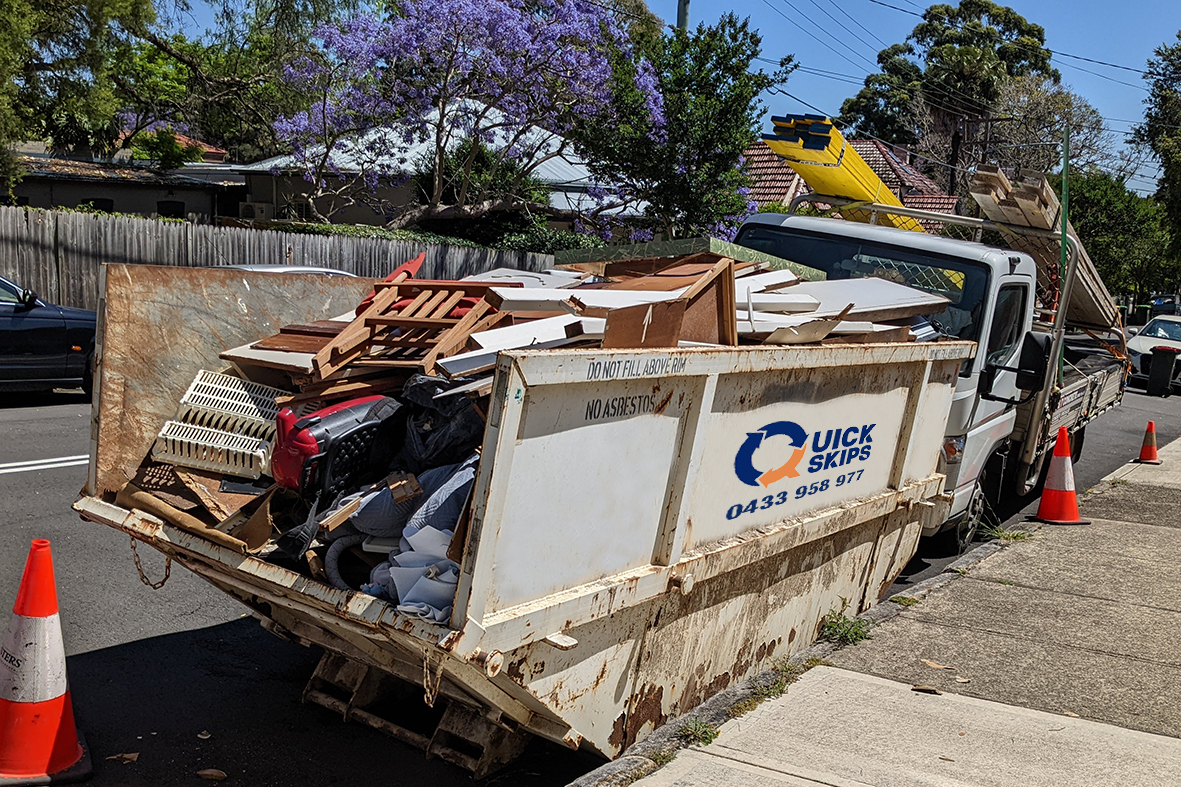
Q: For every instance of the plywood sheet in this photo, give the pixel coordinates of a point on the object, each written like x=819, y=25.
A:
x=159, y=325
x=872, y=299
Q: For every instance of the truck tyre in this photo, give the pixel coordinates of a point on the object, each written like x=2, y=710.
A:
x=1076, y=445
x=958, y=539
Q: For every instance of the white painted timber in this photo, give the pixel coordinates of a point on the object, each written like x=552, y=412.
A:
x=869, y=296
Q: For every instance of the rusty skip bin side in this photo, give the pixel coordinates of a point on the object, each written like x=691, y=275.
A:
x=648, y=527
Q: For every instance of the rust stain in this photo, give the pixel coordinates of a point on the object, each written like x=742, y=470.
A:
x=618, y=737
x=515, y=670
x=662, y=405
x=648, y=708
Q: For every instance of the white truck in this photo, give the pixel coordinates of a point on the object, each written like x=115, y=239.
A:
x=1035, y=369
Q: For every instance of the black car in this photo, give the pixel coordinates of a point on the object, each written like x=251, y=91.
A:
x=43, y=346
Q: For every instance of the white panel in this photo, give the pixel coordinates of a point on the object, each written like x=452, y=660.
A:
x=589, y=478
x=731, y=496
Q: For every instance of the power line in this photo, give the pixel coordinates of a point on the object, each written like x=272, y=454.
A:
x=821, y=29
x=1028, y=47
x=854, y=21
x=867, y=45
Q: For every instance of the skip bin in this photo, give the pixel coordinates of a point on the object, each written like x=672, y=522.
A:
x=647, y=527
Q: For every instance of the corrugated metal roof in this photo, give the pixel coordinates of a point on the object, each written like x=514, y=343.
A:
x=563, y=169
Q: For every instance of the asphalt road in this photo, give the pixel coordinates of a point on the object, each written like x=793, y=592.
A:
x=149, y=670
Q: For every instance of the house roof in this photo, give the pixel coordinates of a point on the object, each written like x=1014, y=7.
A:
x=890, y=167
x=43, y=168
x=565, y=169
x=774, y=181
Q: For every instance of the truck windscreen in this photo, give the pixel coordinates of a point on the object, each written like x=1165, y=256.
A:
x=963, y=283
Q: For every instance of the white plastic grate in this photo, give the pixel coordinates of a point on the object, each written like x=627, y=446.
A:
x=223, y=423
x=201, y=447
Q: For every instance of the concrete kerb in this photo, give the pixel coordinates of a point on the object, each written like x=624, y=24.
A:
x=659, y=748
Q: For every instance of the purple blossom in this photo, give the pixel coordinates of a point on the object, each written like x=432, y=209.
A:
x=509, y=73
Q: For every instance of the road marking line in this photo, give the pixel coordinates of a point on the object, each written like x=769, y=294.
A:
x=44, y=464
x=43, y=461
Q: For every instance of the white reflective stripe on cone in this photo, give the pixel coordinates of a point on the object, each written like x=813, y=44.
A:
x=1061, y=474
x=32, y=660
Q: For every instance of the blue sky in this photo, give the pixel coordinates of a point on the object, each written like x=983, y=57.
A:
x=1089, y=28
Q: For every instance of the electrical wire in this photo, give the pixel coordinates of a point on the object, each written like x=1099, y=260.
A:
x=872, y=64
x=1030, y=48
x=852, y=19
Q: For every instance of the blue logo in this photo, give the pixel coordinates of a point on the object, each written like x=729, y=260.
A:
x=744, y=466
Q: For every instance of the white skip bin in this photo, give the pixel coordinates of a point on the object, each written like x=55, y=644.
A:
x=647, y=528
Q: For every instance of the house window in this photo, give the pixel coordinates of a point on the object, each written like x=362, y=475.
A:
x=98, y=203
x=301, y=210
x=170, y=209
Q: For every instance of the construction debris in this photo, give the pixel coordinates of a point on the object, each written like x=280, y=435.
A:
x=370, y=422
x=1028, y=201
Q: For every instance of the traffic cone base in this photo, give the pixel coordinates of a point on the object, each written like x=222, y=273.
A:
x=1148, y=454
x=39, y=743
x=1059, y=503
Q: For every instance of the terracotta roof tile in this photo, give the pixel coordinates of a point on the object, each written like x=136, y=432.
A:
x=774, y=181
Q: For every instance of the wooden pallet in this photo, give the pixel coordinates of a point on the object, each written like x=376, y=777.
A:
x=412, y=336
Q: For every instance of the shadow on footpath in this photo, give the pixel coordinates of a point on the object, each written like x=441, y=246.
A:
x=243, y=686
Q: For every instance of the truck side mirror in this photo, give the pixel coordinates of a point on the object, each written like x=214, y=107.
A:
x=1034, y=360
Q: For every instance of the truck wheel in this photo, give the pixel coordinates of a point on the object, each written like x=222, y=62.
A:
x=958, y=539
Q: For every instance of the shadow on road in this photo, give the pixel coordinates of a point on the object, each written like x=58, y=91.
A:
x=243, y=686
x=43, y=398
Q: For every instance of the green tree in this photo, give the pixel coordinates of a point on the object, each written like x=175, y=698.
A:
x=1161, y=129
x=952, y=68
x=686, y=172
x=1127, y=236
x=54, y=65
x=162, y=149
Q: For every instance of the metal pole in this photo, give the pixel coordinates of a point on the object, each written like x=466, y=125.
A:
x=683, y=14
x=1063, y=295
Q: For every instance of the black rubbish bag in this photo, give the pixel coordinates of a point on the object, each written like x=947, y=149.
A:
x=438, y=431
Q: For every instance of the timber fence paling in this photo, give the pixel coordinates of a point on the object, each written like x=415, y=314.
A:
x=59, y=253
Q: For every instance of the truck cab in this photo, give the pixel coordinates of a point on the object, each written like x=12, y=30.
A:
x=991, y=302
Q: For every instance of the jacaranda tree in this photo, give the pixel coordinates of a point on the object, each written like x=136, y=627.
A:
x=397, y=94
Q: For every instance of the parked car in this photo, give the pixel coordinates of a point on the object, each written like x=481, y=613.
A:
x=43, y=346
x=1161, y=331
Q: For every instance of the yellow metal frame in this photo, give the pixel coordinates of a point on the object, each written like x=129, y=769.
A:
x=812, y=146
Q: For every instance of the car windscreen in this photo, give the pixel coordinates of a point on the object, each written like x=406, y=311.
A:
x=1163, y=329
x=963, y=283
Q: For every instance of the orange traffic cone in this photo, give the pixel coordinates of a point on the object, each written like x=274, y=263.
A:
x=1148, y=454
x=38, y=741
x=1059, y=505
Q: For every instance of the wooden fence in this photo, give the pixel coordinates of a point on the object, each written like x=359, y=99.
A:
x=58, y=254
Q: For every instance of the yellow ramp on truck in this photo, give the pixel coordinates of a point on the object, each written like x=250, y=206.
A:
x=813, y=147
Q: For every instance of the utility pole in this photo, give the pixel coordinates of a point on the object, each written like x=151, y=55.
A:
x=683, y=14
x=1063, y=220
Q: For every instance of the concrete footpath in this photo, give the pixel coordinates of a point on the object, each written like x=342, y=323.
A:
x=1055, y=660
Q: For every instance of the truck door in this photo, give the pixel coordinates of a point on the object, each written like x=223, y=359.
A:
x=1004, y=336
